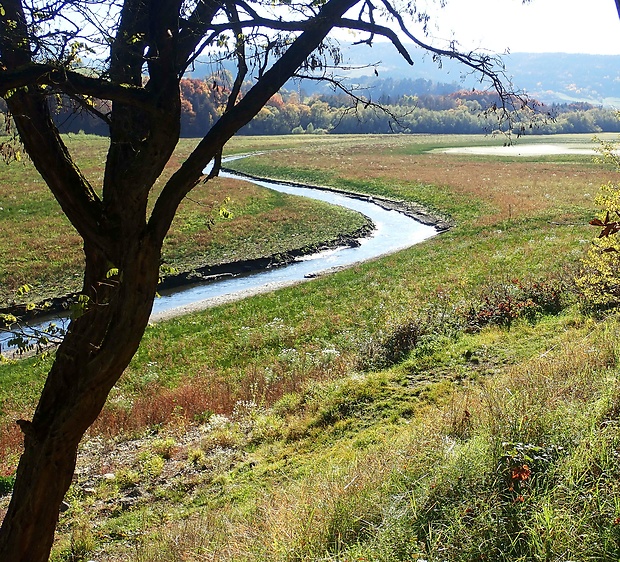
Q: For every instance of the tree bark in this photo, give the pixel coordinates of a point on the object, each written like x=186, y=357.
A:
x=144, y=130
x=91, y=359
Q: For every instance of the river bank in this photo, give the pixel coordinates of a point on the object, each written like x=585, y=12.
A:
x=213, y=273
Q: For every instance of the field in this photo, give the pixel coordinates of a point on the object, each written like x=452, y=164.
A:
x=39, y=247
x=455, y=401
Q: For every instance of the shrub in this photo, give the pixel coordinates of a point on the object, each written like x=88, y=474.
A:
x=440, y=317
x=599, y=279
x=500, y=304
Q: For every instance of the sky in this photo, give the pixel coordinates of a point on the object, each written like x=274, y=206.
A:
x=568, y=26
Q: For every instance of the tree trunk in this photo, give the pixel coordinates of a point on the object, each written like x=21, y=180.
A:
x=143, y=134
x=94, y=354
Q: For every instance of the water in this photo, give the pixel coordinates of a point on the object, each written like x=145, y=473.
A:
x=393, y=231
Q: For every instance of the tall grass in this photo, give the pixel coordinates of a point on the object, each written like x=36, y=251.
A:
x=451, y=402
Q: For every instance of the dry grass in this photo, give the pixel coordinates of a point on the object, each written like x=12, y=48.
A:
x=512, y=188
x=208, y=392
x=518, y=402
x=354, y=495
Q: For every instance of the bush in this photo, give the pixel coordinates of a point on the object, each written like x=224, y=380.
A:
x=440, y=317
x=390, y=347
x=502, y=303
x=599, y=279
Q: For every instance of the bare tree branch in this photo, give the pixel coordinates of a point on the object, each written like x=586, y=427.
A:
x=190, y=172
x=72, y=82
x=242, y=70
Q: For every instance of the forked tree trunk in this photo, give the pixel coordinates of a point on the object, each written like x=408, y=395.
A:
x=144, y=130
x=96, y=350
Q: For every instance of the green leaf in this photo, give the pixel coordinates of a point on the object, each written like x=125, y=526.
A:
x=8, y=318
x=79, y=307
x=136, y=38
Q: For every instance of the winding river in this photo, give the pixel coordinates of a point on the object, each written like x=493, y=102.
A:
x=393, y=231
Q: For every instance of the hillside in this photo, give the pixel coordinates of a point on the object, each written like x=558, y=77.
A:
x=549, y=77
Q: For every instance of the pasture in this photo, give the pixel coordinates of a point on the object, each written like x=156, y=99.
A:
x=397, y=410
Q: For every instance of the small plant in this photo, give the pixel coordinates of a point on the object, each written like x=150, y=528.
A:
x=152, y=465
x=226, y=437
x=127, y=478
x=197, y=457
x=203, y=417
x=6, y=485
x=500, y=304
x=163, y=447
x=521, y=462
x=81, y=543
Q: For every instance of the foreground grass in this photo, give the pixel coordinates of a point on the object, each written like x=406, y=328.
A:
x=365, y=415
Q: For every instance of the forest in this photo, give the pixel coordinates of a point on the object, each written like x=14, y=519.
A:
x=427, y=108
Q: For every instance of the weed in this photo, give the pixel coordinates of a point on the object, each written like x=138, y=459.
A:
x=151, y=465
x=6, y=485
x=384, y=348
x=197, y=457
x=163, y=447
x=222, y=433
x=500, y=304
x=126, y=478
x=81, y=542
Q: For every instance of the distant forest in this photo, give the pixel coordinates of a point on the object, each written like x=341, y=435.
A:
x=427, y=108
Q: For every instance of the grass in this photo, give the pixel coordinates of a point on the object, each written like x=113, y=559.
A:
x=371, y=414
x=39, y=247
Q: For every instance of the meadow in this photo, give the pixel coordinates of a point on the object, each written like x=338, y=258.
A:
x=454, y=401
x=39, y=247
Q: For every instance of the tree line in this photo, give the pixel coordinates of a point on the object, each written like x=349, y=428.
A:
x=294, y=112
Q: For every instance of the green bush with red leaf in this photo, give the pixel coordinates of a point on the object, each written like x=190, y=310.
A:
x=500, y=304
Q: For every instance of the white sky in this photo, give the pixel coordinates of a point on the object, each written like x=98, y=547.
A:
x=569, y=26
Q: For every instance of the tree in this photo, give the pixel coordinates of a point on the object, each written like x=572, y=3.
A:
x=133, y=54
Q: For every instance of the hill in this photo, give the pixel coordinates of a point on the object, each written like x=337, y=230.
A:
x=549, y=77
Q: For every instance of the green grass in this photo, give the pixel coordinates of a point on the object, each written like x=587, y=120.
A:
x=337, y=436
x=39, y=247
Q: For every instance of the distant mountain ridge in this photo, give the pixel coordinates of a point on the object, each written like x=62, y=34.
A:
x=549, y=77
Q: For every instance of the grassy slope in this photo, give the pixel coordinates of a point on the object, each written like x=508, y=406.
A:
x=493, y=445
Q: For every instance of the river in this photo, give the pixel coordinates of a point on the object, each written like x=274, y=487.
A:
x=393, y=231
